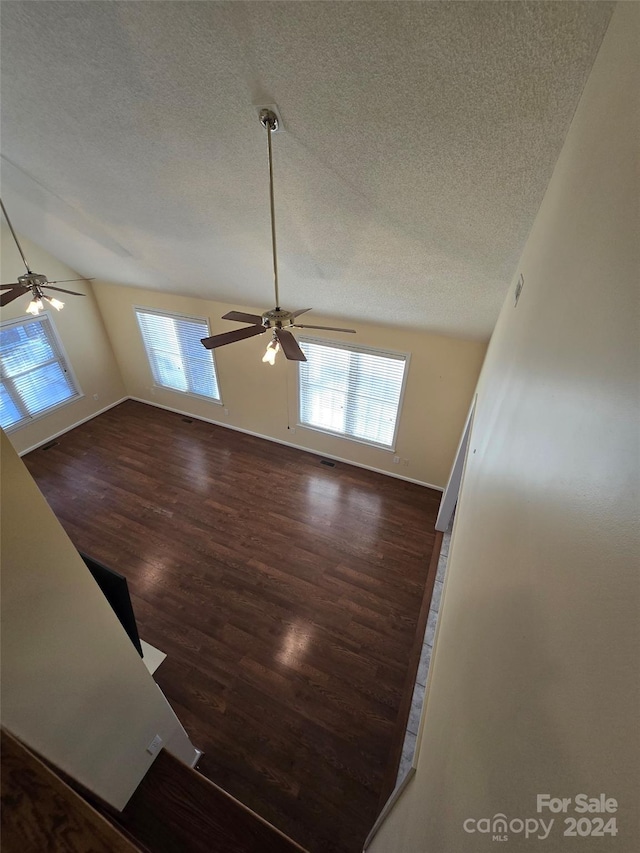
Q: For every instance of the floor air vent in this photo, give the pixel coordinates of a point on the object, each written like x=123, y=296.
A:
x=50, y=445
x=328, y=463
x=188, y=420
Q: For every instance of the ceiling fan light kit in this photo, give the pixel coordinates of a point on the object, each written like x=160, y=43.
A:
x=37, y=303
x=277, y=319
x=273, y=348
x=34, y=282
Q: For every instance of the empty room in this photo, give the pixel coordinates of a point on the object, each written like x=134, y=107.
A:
x=319, y=403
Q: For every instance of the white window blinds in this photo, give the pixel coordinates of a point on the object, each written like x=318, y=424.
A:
x=351, y=391
x=176, y=355
x=35, y=377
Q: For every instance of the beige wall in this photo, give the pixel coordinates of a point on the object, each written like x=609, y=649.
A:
x=258, y=398
x=73, y=686
x=262, y=399
x=534, y=682
x=81, y=330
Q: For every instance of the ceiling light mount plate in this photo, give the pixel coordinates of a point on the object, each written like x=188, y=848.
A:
x=269, y=114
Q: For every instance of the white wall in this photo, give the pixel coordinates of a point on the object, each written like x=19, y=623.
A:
x=73, y=686
x=81, y=330
x=534, y=680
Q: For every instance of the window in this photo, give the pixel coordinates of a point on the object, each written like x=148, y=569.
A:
x=176, y=356
x=35, y=375
x=351, y=391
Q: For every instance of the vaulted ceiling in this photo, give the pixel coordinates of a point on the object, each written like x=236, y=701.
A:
x=419, y=139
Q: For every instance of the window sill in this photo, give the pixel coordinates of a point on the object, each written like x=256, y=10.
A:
x=385, y=447
x=43, y=414
x=188, y=394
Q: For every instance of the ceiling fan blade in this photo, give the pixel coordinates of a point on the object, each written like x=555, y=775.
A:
x=301, y=311
x=62, y=290
x=69, y=280
x=13, y=284
x=231, y=337
x=241, y=317
x=8, y=297
x=325, y=328
x=289, y=345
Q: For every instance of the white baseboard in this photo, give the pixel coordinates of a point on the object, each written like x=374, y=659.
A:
x=236, y=429
x=388, y=806
x=73, y=426
x=288, y=444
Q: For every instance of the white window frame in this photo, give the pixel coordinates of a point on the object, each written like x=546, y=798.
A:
x=396, y=354
x=61, y=358
x=175, y=315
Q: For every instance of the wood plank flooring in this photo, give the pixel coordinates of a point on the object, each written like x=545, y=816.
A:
x=177, y=809
x=285, y=594
x=40, y=812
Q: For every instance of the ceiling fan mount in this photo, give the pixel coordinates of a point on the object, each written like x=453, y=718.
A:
x=277, y=319
x=269, y=120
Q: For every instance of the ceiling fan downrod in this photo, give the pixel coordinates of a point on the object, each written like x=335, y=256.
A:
x=269, y=120
x=277, y=320
x=13, y=234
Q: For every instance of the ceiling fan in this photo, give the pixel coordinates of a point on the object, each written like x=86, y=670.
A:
x=277, y=320
x=34, y=282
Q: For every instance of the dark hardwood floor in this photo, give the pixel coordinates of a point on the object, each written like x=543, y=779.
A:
x=284, y=592
x=41, y=812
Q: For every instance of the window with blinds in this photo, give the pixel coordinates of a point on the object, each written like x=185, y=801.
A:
x=34, y=375
x=176, y=355
x=351, y=391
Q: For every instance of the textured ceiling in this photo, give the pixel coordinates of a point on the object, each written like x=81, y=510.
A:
x=419, y=141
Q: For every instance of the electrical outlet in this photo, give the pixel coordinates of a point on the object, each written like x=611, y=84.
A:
x=405, y=462
x=396, y=460
x=226, y=411
x=95, y=396
x=155, y=745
